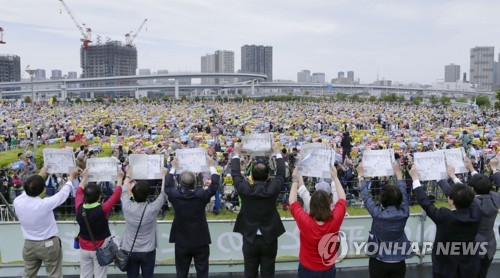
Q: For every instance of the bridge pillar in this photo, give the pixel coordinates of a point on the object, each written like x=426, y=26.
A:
x=64, y=92
x=253, y=87
x=176, y=89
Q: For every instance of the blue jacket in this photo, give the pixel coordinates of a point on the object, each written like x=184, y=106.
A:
x=388, y=227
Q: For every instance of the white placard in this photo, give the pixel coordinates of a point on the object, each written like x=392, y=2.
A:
x=316, y=164
x=257, y=144
x=59, y=161
x=456, y=158
x=194, y=160
x=430, y=165
x=378, y=163
x=307, y=149
x=146, y=167
x=102, y=169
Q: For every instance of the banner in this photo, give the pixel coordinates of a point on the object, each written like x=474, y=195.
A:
x=194, y=160
x=59, y=161
x=378, y=163
x=257, y=144
x=102, y=169
x=430, y=165
x=146, y=167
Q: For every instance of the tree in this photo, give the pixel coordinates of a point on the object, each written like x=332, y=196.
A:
x=400, y=99
x=389, y=97
x=341, y=97
x=482, y=101
x=54, y=99
x=27, y=99
x=78, y=100
x=433, y=99
x=99, y=99
x=165, y=98
x=497, y=102
x=461, y=99
x=372, y=98
x=306, y=93
x=354, y=97
x=445, y=100
x=417, y=100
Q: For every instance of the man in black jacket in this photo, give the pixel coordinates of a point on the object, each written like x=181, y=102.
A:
x=456, y=230
x=189, y=229
x=259, y=221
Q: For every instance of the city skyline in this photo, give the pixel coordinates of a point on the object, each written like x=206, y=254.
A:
x=403, y=42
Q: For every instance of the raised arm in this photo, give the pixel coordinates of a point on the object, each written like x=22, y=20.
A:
x=400, y=183
x=276, y=184
x=235, y=167
x=495, y=174
x=63, y=194
x=115, y=197
x=125, y=198
x=214, y=186
x=169, y=179
x=422, y=198
x=292, y=198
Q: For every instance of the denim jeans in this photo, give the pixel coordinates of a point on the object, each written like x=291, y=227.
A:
x=306, y=273
x=144, y=261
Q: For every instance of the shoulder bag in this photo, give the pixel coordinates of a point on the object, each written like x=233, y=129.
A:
x=121, y=259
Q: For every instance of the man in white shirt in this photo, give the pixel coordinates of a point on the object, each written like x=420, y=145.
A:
x=39, y=226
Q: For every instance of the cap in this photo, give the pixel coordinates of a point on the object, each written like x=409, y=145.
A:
x=28, y=154
x=323, y=186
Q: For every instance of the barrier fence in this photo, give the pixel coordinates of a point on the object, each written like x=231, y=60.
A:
x=225, y=250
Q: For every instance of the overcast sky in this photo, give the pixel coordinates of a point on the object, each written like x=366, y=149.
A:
x=405, y=41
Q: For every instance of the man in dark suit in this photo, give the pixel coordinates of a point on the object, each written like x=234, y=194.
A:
x=454, y=228
x=488, y=202
x=259, y=221
x=495, y=174
x=190, y=228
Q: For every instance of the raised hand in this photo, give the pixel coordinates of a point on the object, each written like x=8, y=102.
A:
x=128, y=170
x=451, y=171
x=43, y=171
x=333, y=172
x=360, y=170
x=295, y=174
x=119, y=177
x=414, y=173
x=468, y=165
x=237, y=148
x=74, y=173
x=276, y=148
x=494, y=164
x=210, y=161
x=175, y=163
x=397, y=170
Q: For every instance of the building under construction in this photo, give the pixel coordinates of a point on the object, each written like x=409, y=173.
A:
x=109, y=59
x=10, y=68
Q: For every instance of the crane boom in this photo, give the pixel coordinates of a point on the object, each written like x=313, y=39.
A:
x=86, y=33
x=129, y=40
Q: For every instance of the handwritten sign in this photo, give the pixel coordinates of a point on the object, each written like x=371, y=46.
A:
x=59, y=161
x=194, y=160
x=316, y=164
x=257, y=144
x=102, y=169
x=430, y=165
x=456, y=158
x=307, y=149
x=146, y=167
x=378, y=163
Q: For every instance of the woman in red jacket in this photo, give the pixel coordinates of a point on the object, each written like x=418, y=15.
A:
x=318, y=228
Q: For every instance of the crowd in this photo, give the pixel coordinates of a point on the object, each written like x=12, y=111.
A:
x=258, y=182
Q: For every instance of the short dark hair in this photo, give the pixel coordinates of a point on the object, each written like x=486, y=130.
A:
x=187, y=180
x=260, y=172
x=141, y=191
x=91, y=193
x=391, y=195
x=320, y=206
x=461, y=195
x=34, y=185
x=19, y=155
x=480, y=183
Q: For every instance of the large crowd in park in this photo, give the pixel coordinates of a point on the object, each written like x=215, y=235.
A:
x=162, y=128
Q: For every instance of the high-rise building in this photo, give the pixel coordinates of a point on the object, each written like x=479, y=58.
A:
x=10, y=68
x=451, y=73
x=257, y=59
x=109, y=59
x=56, y=74
x=481, y=67
x=208, y=66
x=143, y=72
x=40, y=74
x=350, y=75
x=304, y=76
x=341, y=74
x=224, y=63
x=318, y=77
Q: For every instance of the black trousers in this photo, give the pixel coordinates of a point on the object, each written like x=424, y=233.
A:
x=184, y=255
x=485, y=264
x=379, y=269
x=259, y=253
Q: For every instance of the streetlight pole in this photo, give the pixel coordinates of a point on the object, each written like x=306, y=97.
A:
x=33, y=137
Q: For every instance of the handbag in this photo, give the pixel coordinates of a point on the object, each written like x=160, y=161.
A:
x=121, y=259
x=105, y=255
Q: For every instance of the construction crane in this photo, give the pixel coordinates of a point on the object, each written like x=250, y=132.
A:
x=86, y=33
x=1, y=36
x=128, y=39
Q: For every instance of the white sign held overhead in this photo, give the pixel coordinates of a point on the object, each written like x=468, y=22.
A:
x=378, y=163
x=316, y=164
x=146, y=167
x=102, y=169
x=307, y=149
x=430, y=165
x=194, y=160
x=456, y=158
x=59, y=161
x=257, y=144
